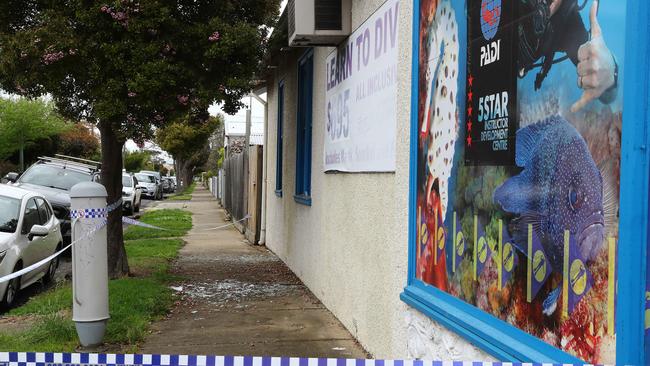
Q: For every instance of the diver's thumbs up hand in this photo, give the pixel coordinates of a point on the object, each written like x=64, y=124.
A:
x=596, y=64
x=593, y=19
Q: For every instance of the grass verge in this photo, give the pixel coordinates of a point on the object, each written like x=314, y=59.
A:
x=134, y=302
x=175, y=222
x=186, y=195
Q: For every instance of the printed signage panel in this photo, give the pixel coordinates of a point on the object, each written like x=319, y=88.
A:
x=491, y=96
x=519, y=116
x=361, y=96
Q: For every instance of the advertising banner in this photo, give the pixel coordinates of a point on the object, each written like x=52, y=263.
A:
x=519, y=116
x=361, y=96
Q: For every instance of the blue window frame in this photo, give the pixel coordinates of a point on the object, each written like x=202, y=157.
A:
x=279, y=143
x=303, y=128
x=503, y=340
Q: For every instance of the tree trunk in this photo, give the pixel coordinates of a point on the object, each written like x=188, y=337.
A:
x=118, y=265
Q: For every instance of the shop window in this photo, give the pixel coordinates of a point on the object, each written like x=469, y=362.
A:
x=279, y=143
x=303, y=128
x=511, y=244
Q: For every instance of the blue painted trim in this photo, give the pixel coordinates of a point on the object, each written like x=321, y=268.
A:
x=633, y=221
x=279, y=139
x=304, y=120
x=413, y=155
x=302, y=199
x=493, y=335
x=503, y=340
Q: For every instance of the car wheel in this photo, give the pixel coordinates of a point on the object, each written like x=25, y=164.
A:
x=12, y=289
x=137, y=207
x=51, y=269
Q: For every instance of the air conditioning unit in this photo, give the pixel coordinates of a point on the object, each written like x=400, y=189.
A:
x=318, y=22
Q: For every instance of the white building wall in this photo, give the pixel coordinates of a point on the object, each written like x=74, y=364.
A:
x=350, y=246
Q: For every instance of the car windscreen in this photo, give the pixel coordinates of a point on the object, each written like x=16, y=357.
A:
x=9, y=210
x=53, y=177
x=127, y=181
x=146, y=178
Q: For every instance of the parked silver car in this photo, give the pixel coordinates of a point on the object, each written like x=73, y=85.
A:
x=150, y=186
x=29, y=233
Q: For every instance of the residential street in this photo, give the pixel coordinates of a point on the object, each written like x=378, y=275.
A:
x=237, y=299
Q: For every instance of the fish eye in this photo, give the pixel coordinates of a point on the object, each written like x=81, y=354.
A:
x=574, y=199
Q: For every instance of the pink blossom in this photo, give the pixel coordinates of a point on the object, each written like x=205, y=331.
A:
x=132, y=94
x=183, y=99
x=50, y=58
x=214, y=37
x=104, y=9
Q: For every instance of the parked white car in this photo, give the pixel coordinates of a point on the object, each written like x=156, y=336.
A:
x=29, y=233
x=131, y=194
x=149, y=185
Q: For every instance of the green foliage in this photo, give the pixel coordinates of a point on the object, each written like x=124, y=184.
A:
x=136, y=161
x=186, y=195
x=185, y=138
x=78, y=141
x=23, y=122
x=176, y=222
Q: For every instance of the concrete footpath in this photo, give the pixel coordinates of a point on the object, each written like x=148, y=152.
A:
x=239, y=299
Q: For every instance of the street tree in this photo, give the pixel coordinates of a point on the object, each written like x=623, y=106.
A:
x=132, y=65
x=187, y=140
x=78, y=141
x=23, y=122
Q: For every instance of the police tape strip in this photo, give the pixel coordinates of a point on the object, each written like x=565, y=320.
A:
x=83, y=359
x=226, y=225
x=130, y=221
x=45, y=261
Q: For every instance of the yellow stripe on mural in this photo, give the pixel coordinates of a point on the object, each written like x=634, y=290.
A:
x=565, y=277
x=500, y=261
x=417, y=244
x=475, y=245
x=529, y=277
x=435, y=237
x=611, y=286
x=453, y=246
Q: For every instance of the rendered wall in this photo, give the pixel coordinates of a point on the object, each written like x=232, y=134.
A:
x=350, y=247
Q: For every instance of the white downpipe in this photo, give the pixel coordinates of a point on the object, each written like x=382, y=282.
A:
x=262, y=240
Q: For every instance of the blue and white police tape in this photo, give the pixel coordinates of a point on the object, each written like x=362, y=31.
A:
x=95, y=213
x=130, y=221
x=89, y=213
x=45, y=261
x=83, y=359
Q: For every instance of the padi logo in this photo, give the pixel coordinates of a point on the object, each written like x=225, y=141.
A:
x=508, y=257
x=460, y=243
x=539, y=266
x=482, y=249
x=578, y=277
x=490, y=17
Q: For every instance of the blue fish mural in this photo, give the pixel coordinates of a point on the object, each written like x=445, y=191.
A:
x=560, y=188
